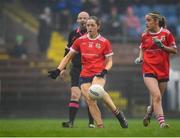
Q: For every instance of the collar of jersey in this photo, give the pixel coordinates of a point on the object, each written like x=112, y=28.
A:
x=156, y=32
x=93, y=38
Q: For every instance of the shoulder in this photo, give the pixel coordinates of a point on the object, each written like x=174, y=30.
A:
x=164, y=30
x=83, y=37
x=144, y=33
x=72, y=32
x=103, y=39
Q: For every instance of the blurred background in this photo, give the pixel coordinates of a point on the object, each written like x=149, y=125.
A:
x=33, y=36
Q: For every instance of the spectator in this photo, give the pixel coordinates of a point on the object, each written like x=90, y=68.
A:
x=45, y=29
x=62, y=17
x=114, y=21
x=19, y=50
x=131, y=23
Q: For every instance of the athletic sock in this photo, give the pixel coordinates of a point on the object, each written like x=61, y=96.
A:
x=160, y=119
x=121, y=118
x=73, y=108
x=118, y=115
x=116, y=112
x=91, y=120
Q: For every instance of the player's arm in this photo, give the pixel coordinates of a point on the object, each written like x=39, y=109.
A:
x=66, y=60
x=73, y=50
x=108, y=60
x=67, y=48
x=141, y=54
x=55, y=73
x=108, y=66
x=171, y=49
x=109, y=63
x=139, y=59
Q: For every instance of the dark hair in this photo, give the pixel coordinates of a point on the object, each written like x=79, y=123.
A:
x=97, y=21
x=162, y=22
x=156, y=16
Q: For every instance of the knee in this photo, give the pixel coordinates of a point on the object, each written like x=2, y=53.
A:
x=75, y=95
x=157, y=98
x=90, y=102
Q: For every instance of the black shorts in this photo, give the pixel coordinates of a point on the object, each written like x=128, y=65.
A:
x=154, y=76
x=85, y=80
x=74, y=74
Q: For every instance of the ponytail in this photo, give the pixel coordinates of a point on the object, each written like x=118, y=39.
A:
x=162, y=22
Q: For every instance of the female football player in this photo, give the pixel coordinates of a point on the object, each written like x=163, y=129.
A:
x=156, y=45
x=75, y=72
x=96, y=59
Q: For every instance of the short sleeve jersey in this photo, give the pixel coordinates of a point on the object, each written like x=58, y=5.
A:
x=156, y=60
x=76, y=61
x=93, y=54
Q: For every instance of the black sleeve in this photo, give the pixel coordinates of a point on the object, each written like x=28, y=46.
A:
x=67, y=48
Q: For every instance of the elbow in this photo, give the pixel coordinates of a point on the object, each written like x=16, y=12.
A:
x=175, y=51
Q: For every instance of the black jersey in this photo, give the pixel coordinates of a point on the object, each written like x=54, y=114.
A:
x=76, y=61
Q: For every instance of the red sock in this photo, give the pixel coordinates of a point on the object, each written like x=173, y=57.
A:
x=160, y=119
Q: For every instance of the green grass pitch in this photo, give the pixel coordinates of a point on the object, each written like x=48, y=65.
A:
x=53, y=128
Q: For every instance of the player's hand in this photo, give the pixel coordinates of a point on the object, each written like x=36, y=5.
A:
x=138, y=60
x=54, y=73
x=158, y=43
x=102, y=74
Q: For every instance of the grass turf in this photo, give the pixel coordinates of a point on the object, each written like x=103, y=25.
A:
x=52, y=127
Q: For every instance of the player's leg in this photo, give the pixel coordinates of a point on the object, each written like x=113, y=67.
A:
x=75, y=97
x=162, y=87
x=108, y=101
x=119, y=114
x=75, y=82
x=73, y=106
x=92, y=104
x=148, y=115
x=91, y=120
x=153, y=87
x=150, y=109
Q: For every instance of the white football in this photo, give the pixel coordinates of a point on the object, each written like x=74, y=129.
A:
x=96, y=91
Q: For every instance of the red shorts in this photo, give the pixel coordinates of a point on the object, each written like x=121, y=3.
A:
x=155, y=71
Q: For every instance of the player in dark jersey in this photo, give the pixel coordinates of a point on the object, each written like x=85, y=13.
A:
x=75, y=72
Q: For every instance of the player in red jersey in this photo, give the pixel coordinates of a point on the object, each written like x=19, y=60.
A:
x=156, y=45
x=96, y=59
x=75, y=72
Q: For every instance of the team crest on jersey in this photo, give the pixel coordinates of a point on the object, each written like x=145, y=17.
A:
x=163, y=38
x=98, y=46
